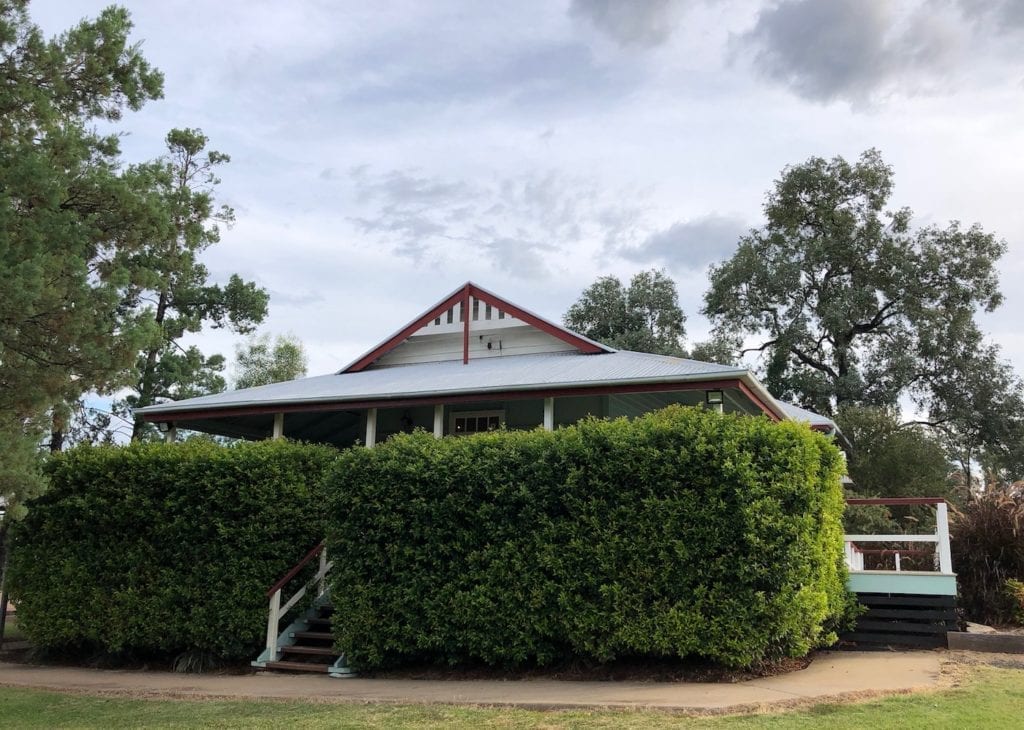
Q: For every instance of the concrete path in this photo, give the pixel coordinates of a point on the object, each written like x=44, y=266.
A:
x=830, y=675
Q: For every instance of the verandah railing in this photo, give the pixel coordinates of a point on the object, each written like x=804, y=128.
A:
x=943, y=560
x=274, y=594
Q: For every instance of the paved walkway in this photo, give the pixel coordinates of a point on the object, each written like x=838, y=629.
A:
x=830, y=675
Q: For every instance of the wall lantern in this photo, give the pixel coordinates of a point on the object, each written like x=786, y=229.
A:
x=164, y=426
x=715, y=399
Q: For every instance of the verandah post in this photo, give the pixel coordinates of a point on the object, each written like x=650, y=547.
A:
x=549, y=414
x=942, y=533
x=439, y=421
x=371, y=427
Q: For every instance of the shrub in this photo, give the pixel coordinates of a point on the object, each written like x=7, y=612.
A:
x=1015, y=589
x=683, y=532
x=159, y=550
x=987, y=542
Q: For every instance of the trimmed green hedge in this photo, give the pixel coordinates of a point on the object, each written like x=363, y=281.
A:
x=160, y=550
x=684, y=532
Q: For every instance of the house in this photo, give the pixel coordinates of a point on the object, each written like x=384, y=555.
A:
x=473, y=362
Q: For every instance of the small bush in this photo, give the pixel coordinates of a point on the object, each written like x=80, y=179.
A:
x=987, y=542
x=164, y=550
x=680, y=533
x=1015, y=589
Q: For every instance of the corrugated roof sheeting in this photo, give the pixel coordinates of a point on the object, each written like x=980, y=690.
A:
x=440, y=378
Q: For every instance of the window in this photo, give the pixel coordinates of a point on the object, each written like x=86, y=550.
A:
x=476, y=422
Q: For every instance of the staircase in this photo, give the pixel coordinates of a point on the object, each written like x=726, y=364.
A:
x=306, y=645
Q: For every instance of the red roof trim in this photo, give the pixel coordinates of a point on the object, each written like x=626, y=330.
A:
x=543, y=325
x=461, y=398
x=463, y=294
x=404, y=333
x=756, y=400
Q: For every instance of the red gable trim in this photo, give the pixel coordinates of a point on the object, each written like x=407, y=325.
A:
x=404, y=333
x=463, y=294
x=756, y=400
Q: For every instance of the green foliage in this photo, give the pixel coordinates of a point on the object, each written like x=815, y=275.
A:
x=1015, y=591
x=850, y=304
x=890, y=459
x=262, y=361
x=68, y=217
x=164, y=549
x=176, y=290
x=987, y=542
x=684, y=532
x=645, y=317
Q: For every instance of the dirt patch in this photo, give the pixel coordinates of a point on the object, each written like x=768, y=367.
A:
x=627, y=670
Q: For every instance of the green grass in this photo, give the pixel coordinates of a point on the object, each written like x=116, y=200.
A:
x=993, y=698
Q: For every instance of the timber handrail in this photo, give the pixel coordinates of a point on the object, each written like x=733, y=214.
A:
x=895, y=501
x=277, y=610
x=295, y=570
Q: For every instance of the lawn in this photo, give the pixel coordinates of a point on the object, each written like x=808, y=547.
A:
x=991, y=698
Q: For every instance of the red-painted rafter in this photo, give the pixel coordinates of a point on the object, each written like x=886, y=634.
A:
x=440, y=399
x=756, y=400
x=463, y=294
x=404, y=333
x=465, y=325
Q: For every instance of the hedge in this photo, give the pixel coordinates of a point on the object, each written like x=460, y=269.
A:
x=681, y=533
x=164, y=549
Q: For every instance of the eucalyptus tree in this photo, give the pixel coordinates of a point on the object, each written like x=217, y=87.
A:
x=263, y=360
x=843, y=299
x=644, y=317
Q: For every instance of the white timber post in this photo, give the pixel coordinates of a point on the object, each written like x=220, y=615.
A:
x=898, y=568
x=942, y=533
x=371, y=427
x=171, y=434
x=272, y=620
x=549, y=414
x=438, y=421
x=322, y=588
x=278, y=425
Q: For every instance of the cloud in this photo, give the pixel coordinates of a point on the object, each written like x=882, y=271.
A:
x=996, y=16
x=852, y=49
x=689, y=245
x=643, y=23
x=526, y=226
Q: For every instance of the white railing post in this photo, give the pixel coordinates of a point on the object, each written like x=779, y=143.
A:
x=272, y=625
x=897, y=555
x=942, y=538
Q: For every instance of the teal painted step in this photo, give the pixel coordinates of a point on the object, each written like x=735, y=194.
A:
x=910, y=582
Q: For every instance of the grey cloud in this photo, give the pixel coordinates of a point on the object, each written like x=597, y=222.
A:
x=689, y=245
x=849, y=49
x=520, y=225
x=1000, y=16
x=644, y=23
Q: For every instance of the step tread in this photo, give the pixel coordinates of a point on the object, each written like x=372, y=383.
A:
x=317, y=650
x=299, y=666
x=318, y=635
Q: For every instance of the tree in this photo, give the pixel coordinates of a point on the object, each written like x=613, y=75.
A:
x=849, y=304
x=176, y=291
x=68, y=218
x=262, y=361
x=976, y=404
x=645, y=317
x=891, y=459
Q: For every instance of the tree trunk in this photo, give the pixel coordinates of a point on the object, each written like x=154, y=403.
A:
x=146, y=385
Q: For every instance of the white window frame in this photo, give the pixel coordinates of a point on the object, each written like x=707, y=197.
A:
x=453, y=415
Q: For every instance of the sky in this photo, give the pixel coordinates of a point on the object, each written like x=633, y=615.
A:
x=383, y=153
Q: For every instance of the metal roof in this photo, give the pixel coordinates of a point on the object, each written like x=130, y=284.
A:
x=802, y=414
x=479, y=376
